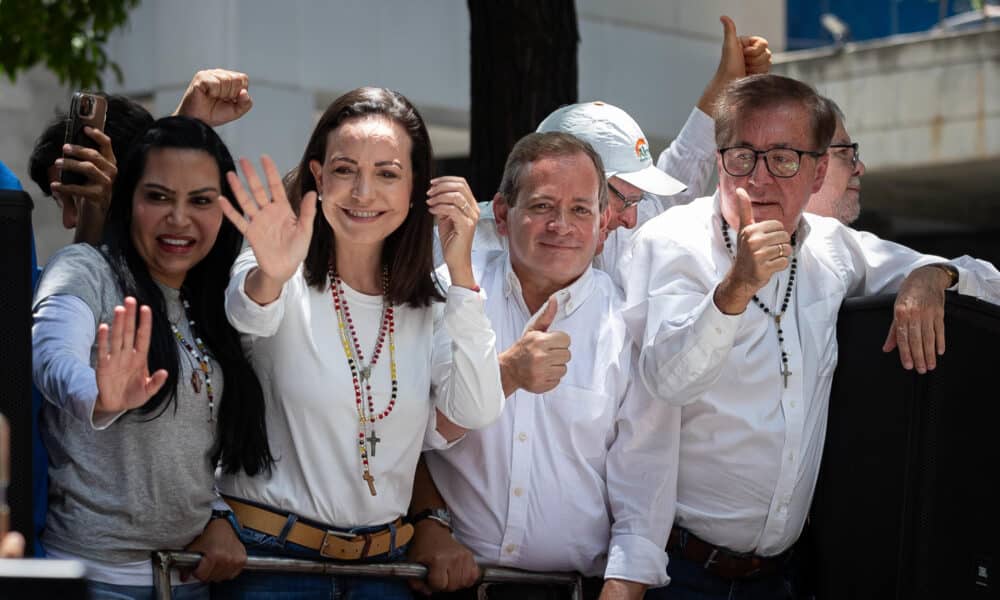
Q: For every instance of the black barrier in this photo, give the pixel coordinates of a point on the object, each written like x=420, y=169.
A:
x=15, y=351
x=905, y=505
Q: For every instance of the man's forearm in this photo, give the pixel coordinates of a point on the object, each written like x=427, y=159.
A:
x=425, y=493
x=620, y=589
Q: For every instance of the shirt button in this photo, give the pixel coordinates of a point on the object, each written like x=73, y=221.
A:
x=518, y=492
x=522, y=436
x=510, y=549
x=718, y=330
x=792, y=403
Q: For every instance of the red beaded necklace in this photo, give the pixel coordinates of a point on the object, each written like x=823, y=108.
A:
x=361, y=373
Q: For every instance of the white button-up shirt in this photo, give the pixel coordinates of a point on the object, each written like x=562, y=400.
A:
x=580, y=478
x=750, y=447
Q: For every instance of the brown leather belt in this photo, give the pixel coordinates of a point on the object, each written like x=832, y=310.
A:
x=331, y=543
x=721, y=561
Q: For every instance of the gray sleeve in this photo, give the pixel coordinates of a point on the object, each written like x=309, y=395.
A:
x=75, y=294
x=80, y=270
x=62, y=336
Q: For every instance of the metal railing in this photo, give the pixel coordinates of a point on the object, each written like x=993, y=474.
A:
x=166, y=560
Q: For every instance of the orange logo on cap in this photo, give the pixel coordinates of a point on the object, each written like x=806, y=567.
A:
x=642, y=149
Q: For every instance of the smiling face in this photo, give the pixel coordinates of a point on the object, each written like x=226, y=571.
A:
x=840, y=196
x=777, y=198
x=554, y=226
x=175, y=212
x=366, y=180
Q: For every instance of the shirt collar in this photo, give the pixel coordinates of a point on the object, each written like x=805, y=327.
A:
x=570, y=297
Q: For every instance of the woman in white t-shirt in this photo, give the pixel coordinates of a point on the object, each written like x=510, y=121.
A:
x=363, y=357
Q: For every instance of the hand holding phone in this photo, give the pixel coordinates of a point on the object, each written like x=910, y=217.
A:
x=85, y=110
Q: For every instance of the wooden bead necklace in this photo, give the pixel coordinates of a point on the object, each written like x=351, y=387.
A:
x=361, y=373
x=785, y=372
x=200, y=354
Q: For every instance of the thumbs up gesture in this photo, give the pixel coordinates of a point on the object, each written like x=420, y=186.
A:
x=741, y=56
x=762, y=249
x=537, y=361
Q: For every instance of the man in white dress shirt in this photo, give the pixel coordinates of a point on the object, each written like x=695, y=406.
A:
x=734, y=300
x=578, y=474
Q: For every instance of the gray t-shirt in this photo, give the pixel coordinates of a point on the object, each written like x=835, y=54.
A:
x=142, y=483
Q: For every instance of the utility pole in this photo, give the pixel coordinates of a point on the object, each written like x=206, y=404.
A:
x=524, y=66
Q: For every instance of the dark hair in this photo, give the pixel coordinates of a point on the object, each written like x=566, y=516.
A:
x=536, y=146
x=241, y=435
x=763, y=92
x=126, y=119
x=408, y=251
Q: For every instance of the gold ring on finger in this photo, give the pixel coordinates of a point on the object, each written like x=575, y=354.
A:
x=781, y=250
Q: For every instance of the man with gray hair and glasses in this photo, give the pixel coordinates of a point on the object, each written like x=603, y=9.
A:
x=733, y=300
x=840, y=195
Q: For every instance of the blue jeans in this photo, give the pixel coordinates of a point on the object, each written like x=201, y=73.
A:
x=300, y=586
x=106, y=591
x=690, y=581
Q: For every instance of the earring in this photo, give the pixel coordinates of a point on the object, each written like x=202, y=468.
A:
x=319, y=197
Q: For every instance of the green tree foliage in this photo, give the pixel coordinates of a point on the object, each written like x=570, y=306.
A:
x=67, y=36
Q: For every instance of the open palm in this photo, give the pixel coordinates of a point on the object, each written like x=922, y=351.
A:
x=123, y=379
x=279, y=237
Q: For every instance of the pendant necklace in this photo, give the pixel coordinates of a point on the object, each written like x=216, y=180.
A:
x=361, y=373
x=775, y=315
x=200, y=355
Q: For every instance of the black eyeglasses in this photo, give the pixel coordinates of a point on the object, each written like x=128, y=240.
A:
x=855, y=154
x=740, y=161
x=628, y=203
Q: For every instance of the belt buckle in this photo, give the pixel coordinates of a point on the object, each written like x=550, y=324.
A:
x=341, y=535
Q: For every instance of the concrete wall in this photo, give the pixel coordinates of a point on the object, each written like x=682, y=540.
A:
x=926, y=110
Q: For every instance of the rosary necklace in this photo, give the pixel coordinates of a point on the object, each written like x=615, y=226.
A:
x=785, y=372
x=199, y=353
x=361, y=373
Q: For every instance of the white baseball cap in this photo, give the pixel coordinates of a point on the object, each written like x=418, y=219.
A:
x=618, y=140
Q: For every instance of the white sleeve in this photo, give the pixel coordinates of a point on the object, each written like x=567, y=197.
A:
x=62, y=334
x=245, y=315
x=690, y=158
x=671, y=315
x=642, y=486
x=880, y=266
x=977, y=278
x=465, y=370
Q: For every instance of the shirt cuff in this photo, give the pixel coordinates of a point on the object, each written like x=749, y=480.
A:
x=719, y=329
x=433, y=440
x=249, y=317
x=634, y=558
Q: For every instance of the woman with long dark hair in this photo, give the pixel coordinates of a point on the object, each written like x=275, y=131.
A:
x=364, y=358
x=139, y=414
